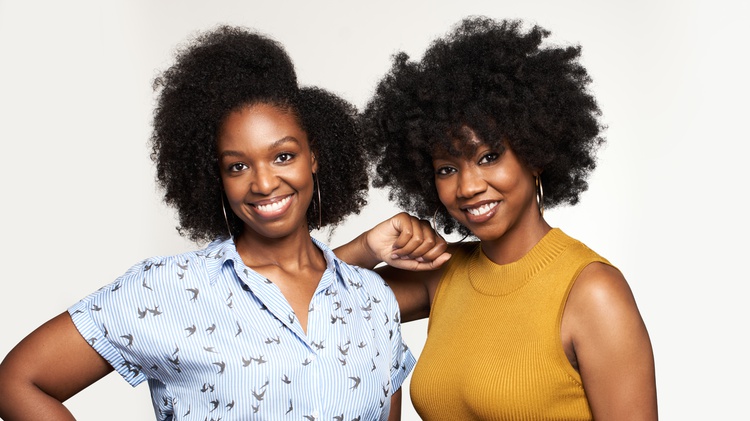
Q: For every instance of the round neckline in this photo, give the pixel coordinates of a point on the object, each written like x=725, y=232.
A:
x=490, y=278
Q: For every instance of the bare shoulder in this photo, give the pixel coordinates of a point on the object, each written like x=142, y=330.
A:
x=611, y=345
x=600, y=290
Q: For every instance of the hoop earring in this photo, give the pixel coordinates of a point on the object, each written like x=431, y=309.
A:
x=539, y=194
x=224, y=209
x=435, y=228
x=320, y=204
x=434, y=222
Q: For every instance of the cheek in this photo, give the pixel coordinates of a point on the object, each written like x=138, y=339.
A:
x=446, y=191
x=233, y=189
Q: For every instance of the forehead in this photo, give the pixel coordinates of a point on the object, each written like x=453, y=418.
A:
x=260, y=125
x=462, y=142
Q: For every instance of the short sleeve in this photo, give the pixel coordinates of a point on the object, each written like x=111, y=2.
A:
x=103, y=308
x=403, y=360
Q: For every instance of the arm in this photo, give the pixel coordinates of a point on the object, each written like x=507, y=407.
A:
x=611, y=346
x=414, y=254
x=402, y=241
x=46, y=368
x=395, y=414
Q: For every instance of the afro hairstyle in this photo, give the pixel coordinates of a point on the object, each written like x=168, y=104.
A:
x=502, y=84
x=217, y=72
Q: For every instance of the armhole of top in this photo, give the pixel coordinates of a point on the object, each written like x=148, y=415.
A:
x=575, y=375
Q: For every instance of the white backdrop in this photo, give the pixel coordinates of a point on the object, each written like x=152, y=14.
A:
x=79, y=204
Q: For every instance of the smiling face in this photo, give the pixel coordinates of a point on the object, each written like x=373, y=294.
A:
x=266, y=168
x=489, y=191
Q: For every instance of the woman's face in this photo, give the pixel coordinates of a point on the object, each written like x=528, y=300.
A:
x=491, y=192
x=266, y=168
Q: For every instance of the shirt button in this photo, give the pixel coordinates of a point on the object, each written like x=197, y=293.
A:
x=315, y=413
x=312, y=357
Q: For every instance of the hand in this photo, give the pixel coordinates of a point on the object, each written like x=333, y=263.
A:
x=406, y=242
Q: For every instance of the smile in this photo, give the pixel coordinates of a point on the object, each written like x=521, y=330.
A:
x=275, y=206
x=482, y=210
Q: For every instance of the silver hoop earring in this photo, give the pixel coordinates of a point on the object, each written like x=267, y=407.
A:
x=539, y=194
x=434, y=222
x=435, y=228
x=320, y=204
x=224, y=209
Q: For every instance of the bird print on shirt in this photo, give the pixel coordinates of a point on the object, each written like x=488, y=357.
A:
x=291, y=407
x=351, y=312
x=155, y=311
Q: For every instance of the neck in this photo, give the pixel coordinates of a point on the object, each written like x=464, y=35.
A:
x=517, y=241
x=290, y=252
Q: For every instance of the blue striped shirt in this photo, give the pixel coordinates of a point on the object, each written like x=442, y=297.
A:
x=216, y=340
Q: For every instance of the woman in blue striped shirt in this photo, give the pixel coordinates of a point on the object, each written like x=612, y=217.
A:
x=264, y=322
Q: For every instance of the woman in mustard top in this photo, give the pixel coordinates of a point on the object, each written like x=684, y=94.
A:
x=486, y=131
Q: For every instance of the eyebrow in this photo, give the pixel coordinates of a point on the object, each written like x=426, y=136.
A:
x=274, y=145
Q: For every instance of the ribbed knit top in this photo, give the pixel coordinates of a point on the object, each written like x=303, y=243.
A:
x=493, y=348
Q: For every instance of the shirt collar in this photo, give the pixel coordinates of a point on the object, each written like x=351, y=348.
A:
x=219, y=252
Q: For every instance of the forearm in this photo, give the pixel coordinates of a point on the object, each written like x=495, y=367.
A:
x=358, y=253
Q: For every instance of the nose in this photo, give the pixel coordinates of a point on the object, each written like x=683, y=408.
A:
x=470, y=182
x=264, y=181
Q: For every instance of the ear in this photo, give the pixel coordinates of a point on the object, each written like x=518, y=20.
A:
x=313, y=163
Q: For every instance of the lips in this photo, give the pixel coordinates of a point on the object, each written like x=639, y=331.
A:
x=272, y=207
x=480, y=212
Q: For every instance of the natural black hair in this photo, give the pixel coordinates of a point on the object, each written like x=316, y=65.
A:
x=220, y=71
x=503, y=84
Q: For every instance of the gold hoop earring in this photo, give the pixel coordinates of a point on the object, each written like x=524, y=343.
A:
x=320, y=204
x=539, y=194
x=224, y=209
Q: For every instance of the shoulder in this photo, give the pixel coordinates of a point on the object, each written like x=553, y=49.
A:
x=155, y=274
x=601, y=300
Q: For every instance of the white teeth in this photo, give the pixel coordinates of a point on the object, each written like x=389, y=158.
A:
x=482, y=209
x=273, y=206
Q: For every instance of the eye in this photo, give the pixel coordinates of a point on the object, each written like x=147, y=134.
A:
x=444, y=170
x=236, y=167
x=489, y=158
x=283, y=158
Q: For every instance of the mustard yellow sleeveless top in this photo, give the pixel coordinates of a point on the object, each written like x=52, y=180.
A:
x=493, y=348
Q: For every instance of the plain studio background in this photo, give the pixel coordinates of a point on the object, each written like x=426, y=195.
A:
x=79, y=203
